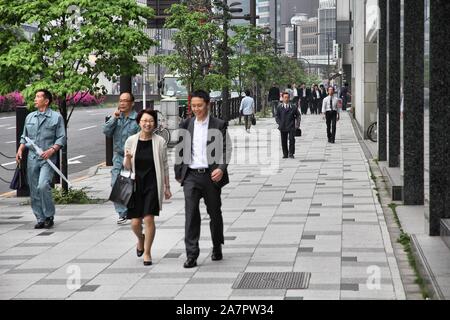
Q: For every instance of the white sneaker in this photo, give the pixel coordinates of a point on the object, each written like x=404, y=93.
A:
x=122, y=220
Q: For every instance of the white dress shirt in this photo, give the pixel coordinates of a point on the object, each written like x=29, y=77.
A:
x=199, y=144
x=326, y=105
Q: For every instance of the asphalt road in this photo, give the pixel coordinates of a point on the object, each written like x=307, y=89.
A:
x=86, y=142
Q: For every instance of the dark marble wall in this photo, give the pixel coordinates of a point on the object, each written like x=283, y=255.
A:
x=439, y=113
x=382, y=82
x=413, y=119
x=394, y=82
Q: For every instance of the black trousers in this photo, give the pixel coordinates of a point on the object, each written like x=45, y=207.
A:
x=284, y=142
x=303, y=105
x=331, y=117
x=197, y=186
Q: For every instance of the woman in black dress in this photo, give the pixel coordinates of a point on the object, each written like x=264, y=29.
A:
x=146, y=156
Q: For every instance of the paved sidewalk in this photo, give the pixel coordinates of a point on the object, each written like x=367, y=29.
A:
x=317, y=214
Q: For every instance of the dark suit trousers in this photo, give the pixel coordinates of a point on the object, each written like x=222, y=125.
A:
x=304, y=105
x=331, y=117
x=284, y=142
x=197, y=186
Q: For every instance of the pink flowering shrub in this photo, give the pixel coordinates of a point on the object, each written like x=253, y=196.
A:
x=84, y=99
x=11, y=101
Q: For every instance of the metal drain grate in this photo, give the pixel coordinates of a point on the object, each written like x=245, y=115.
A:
x=273, y=280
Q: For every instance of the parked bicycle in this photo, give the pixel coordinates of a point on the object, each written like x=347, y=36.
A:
x=161, y=129
x=372, y=132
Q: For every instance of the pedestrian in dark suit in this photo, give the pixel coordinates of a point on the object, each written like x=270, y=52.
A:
x=274, y=98
x=203, y=155
x=344, y=95
x=316, y=97
x=288, y=120
x=331, y=113
x=305, y=96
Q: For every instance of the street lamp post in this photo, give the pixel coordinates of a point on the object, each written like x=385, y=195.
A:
x=227, y=10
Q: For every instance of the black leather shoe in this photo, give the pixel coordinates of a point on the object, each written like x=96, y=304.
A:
x=291, y=156
x=190, y=263
x=217, y=254
x=40, y=225
x=48, y=223
x=285, y=157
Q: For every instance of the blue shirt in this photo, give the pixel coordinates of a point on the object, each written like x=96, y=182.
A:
x=120, y=129
x=45, y=129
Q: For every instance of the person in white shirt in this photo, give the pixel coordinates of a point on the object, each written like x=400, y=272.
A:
x=330, y=111
x=204, y=151
x=247, y=109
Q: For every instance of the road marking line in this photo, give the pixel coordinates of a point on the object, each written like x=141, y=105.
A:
x=3, y=125
x=10, y=128
x=8, y=164
x=7, y=117
x=10, y=142
x=73, y=160
x=91, y=127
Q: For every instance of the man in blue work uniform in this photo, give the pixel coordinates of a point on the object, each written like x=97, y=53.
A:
x=46, y=128
x=121, y=126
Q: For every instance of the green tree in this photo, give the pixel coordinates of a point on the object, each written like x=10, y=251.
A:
x=76, y=41
x=254, y=60
x=195, y=57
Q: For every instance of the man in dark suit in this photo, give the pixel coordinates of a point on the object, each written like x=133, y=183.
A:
x=203, y=154
x=305, y=98
x=274, y=98
x=288, y=120
x=344, y=95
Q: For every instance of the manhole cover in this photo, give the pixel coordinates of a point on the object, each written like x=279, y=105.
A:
x=273, y=280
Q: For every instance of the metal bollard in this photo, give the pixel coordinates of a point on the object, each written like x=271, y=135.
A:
x=21, y=114
x=109, y=149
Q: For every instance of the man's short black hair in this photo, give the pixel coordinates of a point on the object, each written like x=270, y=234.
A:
x=47, y=95
x=346, y=84
x=131, y=95
x=202, y=94
x=248, y=93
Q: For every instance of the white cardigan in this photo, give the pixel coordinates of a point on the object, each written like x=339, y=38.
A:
x=159, y=157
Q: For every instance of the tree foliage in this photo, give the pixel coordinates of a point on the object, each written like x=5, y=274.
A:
x=195, y=39
x=75, y=42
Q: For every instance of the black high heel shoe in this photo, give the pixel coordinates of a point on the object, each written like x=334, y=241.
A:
x=139, y=253
x=148, y=263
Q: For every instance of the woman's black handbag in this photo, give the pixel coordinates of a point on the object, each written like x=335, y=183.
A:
x=298, y=132
x=122, y=190
x=253, y=120
x=19, y=180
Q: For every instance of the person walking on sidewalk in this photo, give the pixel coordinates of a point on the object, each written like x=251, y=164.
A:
x=344, y=95
x=247, y=109
x=288, y=120
x=304, y=94
x=146, y=157
x=331, y=113
x=202, y=171
x=316, y=100
x=274, y=98
x=120, y=127
x=45, y=128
